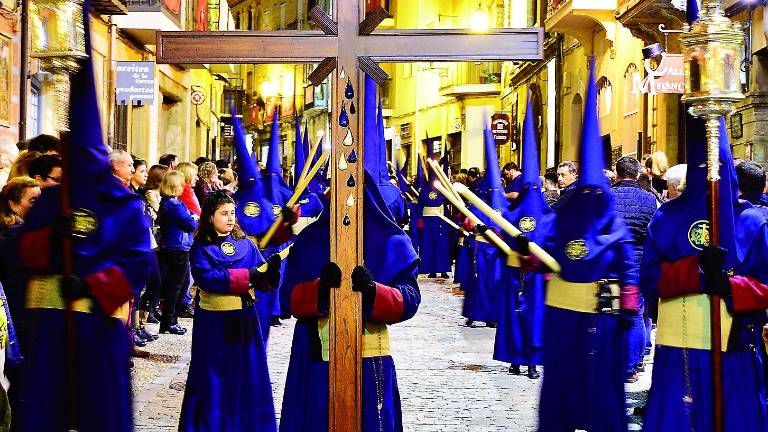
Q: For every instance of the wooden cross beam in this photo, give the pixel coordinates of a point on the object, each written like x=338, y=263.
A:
x=348, y=45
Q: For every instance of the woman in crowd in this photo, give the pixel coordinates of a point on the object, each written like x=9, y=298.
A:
x=228, y=180
x=228, y=386
x=188, y=196
x=208, y=180
x=18, y=196
x=20, y=167
x=148, y=309
x=177, y=225
x=656, y=166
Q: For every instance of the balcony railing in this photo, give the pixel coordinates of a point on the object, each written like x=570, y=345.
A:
x=554, y=5
x=171, y=6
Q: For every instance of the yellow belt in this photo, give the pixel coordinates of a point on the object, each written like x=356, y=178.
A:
x=575, y=296
x=375, y=339
x=684, y=323
x=43, y=292
x=432, y=211
x=221, y=302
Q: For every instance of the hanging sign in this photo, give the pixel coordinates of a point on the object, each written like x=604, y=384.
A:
x=500, y=127
x=135, y=81
x=668, y=77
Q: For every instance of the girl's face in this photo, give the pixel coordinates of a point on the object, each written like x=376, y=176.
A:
x=140, y=176
x=223, y=219
x=28, y=199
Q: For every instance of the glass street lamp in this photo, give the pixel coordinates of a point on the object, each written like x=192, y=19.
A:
x=58, y=42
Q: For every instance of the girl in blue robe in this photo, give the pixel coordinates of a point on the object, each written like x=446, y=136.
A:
x=228, y=386
x=673, y=270
x=391, y=267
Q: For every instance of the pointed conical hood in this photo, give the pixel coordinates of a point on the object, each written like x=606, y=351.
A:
x=588, y=232
x=676, y=223
x=275, y=189
x=273, y=158
x=591, y=153
x=375, y=152
x=88, y=155
x=692, y=11
x=253, y=211
x=420, y=178
x=300, y=157
x=531, y=214
x=491, y=185
x=402, y=181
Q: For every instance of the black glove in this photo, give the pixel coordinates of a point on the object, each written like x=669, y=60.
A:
x=289, y=215
x=480, y=229
x=330, y=277
x=712, y=265
x=362, y=282
x=62, y=226
x=73, y=288
x=523, y=244
x=273, y=270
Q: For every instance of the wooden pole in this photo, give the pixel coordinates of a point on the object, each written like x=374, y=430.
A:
x=713, y=198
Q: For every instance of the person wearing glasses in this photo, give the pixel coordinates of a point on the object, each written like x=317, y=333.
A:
x=46, y=169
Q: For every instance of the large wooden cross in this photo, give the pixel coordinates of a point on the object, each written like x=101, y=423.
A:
x=347, y=44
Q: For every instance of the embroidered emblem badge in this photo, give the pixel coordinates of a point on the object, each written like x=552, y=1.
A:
x=251, y=209
x=576, y=249
x=433, y=195
x=228, y=248
x=698, y=234
x=84, y=223
x=276, y=209
x=527, y=224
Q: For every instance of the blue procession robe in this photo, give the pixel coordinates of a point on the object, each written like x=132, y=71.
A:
x=681, y=395
x=464, y=263
x=519, y=335
x=482, y=286
x=112, y=260
x=390, y=258
x=434, y=239
x=584, y=352
x=228, y=386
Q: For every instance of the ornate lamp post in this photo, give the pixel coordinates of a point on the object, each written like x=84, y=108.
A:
x=58, y=41
x=712, y=52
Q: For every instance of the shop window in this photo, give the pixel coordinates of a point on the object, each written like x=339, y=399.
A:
x=631, y=98
x=604, y=97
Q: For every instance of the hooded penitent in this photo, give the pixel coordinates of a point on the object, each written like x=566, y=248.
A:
x=275, y=188
x=254, y=211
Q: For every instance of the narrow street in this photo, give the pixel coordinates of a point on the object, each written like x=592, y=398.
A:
x=448, y=380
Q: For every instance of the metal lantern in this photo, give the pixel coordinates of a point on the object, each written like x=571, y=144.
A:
x=712, y=50
x=58, y=42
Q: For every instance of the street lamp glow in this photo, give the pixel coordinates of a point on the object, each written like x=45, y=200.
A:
x=479, y=21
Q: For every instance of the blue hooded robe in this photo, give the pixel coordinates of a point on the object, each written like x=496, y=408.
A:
x=681, y=394
x=228, y=386
x=584, y=352
x=434, y=239
x=389, y=256
x=519, y=336
x=483, y=289
x=254, y=212
x=110, y=256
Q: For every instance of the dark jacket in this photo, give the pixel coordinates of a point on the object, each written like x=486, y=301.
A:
x=636, y=206
x=565, y=193
x=177, y=226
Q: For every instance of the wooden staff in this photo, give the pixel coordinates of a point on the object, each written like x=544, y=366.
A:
x=283, y=254
x=490, y=235
x=507, y=226
x=441, y=177
x=452, y=224
x=69, y=270
x=300, y=187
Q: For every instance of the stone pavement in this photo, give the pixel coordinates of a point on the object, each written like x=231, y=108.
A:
x=448, y=379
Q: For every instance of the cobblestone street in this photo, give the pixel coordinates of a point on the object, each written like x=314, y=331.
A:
x=448, y=380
